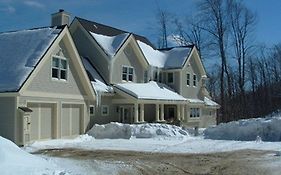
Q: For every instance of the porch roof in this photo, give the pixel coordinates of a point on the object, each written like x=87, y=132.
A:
x=150, y=91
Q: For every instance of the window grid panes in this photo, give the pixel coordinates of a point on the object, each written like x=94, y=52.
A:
x=59, y=68
x=194, y=80
x=188, y=79
x=194, y=113
x=127, y=73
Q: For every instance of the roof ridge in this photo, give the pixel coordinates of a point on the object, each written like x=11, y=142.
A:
x=35, y=28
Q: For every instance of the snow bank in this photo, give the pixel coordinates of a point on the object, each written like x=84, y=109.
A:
x=266, y=129
x=111, y=131
x=126, y=131
x=13, y=160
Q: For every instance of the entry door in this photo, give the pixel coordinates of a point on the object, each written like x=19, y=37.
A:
x=125, y=114
x=171, y=112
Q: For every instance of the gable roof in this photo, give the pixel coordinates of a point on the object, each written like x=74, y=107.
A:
x=110, y=44
x=102, y=29
x=169, y=58
x=20, y=52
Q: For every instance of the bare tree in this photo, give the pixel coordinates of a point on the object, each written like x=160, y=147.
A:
x=242, y=22
x=163, y=18
x=215, y=17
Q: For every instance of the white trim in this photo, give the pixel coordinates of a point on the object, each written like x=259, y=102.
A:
x=59, y=79
x=102, y=107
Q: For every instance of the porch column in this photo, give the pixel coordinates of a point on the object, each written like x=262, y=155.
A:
x=178, y=112
x=136, y=113
x=162, y=112
x=182, y=112
x=157, y=112
x=141, y=112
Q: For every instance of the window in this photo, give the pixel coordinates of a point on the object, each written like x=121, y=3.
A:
x=170, y=77
x=194, y=112
x=155, y=76
x=127, y=73
x=92, y=110
x=194, y=80
x=188, y=79
x=59, y=68
x=145, y=76
x=104, y=110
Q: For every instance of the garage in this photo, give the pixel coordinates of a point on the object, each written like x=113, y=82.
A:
x=41, y=121
x=70, y=119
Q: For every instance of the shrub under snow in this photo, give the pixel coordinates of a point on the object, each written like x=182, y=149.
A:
x=266, y=129
x=126, y=131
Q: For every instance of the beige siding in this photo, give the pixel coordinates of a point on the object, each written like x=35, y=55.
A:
x=127, y=57
x=7, y=117
x=111, y=117
x=43, y=81
x=192, y=68
x=88, y=48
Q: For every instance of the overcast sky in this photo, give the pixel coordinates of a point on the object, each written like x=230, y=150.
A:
x=138, y=16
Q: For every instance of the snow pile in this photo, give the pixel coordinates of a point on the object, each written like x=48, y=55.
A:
x=152, y=130
x=126, y=131
x=111, y=131
x=266, y=129
x=13, y=160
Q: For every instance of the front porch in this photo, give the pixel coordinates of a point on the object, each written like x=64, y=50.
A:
x=142, y=112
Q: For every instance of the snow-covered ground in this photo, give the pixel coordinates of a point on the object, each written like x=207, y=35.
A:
x=143, y=137
x=13, y=160
x=151, y=138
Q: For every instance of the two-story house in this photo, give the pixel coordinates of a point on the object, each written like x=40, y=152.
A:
x=135, y=82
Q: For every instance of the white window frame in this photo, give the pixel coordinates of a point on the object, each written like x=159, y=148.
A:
x=94, y=110
x=127, y=73
x=173, y=75
x=194, y=82
x=194, y=113
x=107, y=110
x=59, y=68
x=188, y=79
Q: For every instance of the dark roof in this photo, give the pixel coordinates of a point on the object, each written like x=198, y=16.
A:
x=108, y=30
x=170, y=48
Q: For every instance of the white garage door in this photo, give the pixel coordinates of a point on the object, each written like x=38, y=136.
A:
x=70, y=119
x=41, y=121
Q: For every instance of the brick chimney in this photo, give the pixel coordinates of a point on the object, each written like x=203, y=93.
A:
x=60, y=18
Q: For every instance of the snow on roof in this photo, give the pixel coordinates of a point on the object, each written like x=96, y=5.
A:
x=210, y=102
x=195, y=100
x=96, y=80
x=20, y=53
x=150, y=91
x=110, y=44
x=171, y=58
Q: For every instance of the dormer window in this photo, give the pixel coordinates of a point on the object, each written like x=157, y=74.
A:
x=59, y=68
x=127, y=73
